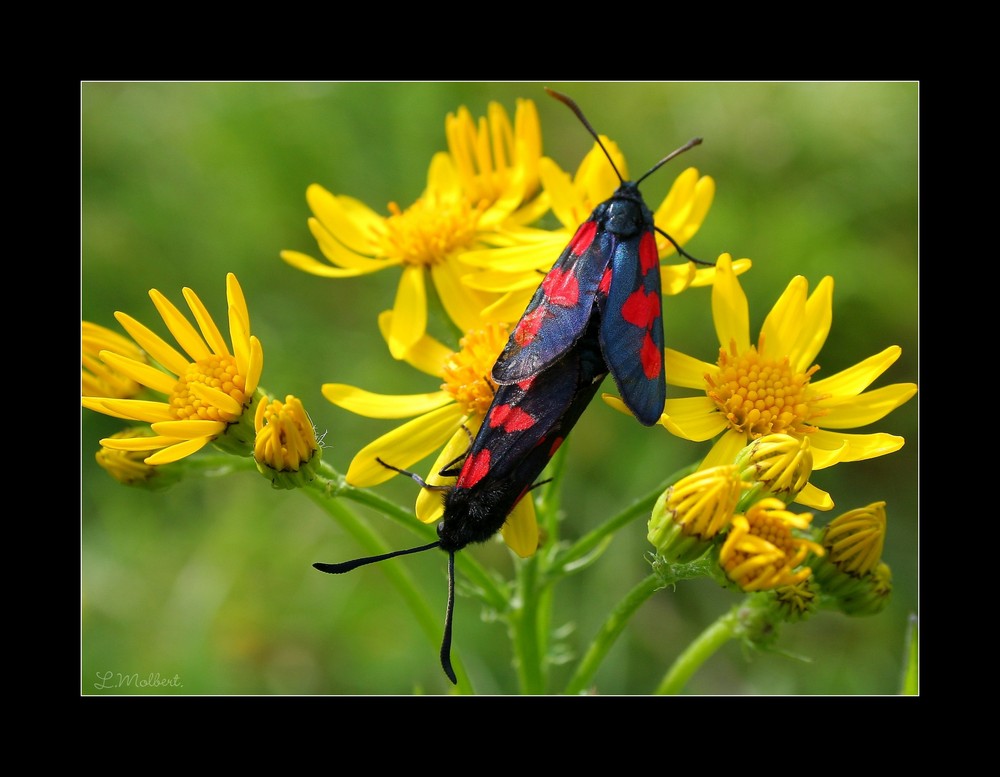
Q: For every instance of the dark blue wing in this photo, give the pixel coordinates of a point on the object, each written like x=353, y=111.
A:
x=632, y=327
x=560, y=309
x=523, y=428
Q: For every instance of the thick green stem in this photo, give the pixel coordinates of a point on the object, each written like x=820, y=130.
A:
x=698, y=652
x=610, y=632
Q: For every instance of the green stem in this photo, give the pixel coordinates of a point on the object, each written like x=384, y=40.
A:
x=592, y=539
x=699, y=651
x=610, y=632
x=524, y=622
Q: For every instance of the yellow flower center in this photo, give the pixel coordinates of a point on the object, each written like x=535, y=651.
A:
x=761, y=395
x=467, y=371
x=215, y=372
x=431, y=229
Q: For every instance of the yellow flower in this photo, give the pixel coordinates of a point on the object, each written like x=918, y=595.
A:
x=205, y=392
x=285, y=442
x=488, y=176
x=778, y=465
x=855, y=539
x=694, y=510
x=97, y=378
x=128, y=467
x=753, y=390
x=449, y=417
x=511, y=266
x=760, y=551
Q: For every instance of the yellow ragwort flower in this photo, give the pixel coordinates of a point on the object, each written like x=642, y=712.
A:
x=778, y=465
x=444, y=420
x=753, y=390
x=205, y=391
x=128, y=467
x=488, y=176
x=761, y=552
x=694, y=510
x=285, y=442
x=511, y=266
x=854, y=540
x=97, y=378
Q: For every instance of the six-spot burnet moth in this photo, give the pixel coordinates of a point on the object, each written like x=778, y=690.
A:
x=612, y=263
x=597, y=310
x=523, y=427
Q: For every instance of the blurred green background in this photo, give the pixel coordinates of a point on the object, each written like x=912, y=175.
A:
x=211, y=581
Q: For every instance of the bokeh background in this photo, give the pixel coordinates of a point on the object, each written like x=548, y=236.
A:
x=211, y=580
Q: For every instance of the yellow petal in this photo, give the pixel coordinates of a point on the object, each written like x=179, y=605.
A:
x=686, y=371
x=814, y=498
x=693, y=418
x=139, y=372
x=852, y=412
x=404, y=446
x=138, y=443
x=856, y=379
x=814, y=326
x=373, y=405
x=307, y=264
x=184, y=333
x=349, y=222
x=520, y=530
x=409, y=321
x=255, y=367
x=216, y=398
x=176, y=452
x=133, y=409
x=783, y=324
x=154, y=345
x=189, y=430
x=675, y=278
x=856, y=447
x=462, y=304
x=209, y=330
x=567, y=202
x=705, y=276
x=729, y=307
x=725, y=449
x=427, y=354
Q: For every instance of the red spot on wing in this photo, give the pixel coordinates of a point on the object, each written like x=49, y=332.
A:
x=641, y=309
x=511, y=419
x=525, y=384
x=527, y=328
x=561, y=288
x=651, y=358
x=583, y=238
x=555, y=446
x=475, y=468
x=605, y=284
x=648, y=255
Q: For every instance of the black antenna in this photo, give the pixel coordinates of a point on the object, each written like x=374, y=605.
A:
x=347, y=566
x=568, y=101
x=446, y=640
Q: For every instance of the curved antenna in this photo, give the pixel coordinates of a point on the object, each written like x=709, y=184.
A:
x=347, y=566
x=686, y=147
x=449, y=613
x=567, y=101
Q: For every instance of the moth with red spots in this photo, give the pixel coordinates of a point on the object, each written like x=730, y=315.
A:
x=521, y=431
x=611, y=270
